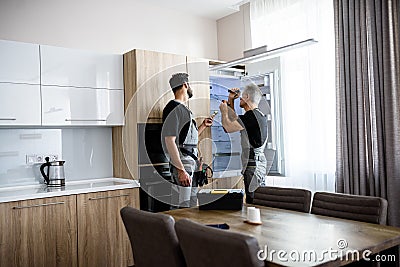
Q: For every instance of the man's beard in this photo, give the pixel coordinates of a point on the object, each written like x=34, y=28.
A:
x=190, y=92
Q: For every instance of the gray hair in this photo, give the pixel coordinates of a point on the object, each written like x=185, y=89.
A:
x=253, y=92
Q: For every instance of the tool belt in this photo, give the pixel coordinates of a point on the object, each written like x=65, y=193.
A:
x=203, y=171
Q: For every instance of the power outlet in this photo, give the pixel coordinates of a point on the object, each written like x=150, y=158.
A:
x=37, y=158
x=30, y=159
x=52, y=157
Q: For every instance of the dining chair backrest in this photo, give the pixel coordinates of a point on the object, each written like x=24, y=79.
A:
x=352, y=207
x=204, y=246
x=153, y=238
x=283, y=198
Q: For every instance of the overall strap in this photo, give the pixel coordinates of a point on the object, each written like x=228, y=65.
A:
x=187, y=152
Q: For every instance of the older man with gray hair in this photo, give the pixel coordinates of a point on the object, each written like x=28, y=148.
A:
x=253, y=131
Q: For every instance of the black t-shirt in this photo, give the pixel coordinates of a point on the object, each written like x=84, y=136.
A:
x=255, y=124
x=176, y=121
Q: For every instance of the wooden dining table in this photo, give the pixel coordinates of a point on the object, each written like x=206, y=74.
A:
x=290, y=238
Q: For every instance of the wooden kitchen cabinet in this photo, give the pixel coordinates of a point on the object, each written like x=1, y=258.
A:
x=78, y=230
x=199, y=104
x=39, y=232
x=102, y=237
x=147, y=91
x=146, y=76
x=199, y=79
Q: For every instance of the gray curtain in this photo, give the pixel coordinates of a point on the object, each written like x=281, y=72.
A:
x=368, y=100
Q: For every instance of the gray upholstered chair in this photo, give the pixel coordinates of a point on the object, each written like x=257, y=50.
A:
x=352, y=207
x=153, y=238
x=204, y=246
x=283, y=198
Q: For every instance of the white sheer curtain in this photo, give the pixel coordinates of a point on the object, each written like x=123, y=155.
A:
x=307, y=84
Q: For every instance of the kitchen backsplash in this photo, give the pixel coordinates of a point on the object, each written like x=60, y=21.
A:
x=87, y=153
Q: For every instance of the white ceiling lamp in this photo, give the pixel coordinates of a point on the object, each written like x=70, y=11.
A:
x=263, y=54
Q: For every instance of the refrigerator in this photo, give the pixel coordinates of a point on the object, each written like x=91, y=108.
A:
x=226, y=148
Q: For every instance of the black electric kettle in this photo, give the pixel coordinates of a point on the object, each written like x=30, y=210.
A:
x=54, y=175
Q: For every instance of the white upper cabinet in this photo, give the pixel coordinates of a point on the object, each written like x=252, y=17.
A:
x=62, y=106
x=19, y=62
x=80, y=68
x=19, y=104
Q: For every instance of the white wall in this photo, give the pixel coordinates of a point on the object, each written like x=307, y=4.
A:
x=87, y=153
x=234, y=34
x=108, y=26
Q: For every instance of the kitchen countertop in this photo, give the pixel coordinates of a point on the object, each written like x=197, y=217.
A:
x=16, y=193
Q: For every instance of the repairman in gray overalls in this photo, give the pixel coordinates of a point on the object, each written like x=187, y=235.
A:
x=253, y=132
x=180, y=138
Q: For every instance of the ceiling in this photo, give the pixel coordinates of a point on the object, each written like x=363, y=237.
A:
x=212, y=9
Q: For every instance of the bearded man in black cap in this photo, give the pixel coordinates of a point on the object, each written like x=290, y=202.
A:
x=180, y=137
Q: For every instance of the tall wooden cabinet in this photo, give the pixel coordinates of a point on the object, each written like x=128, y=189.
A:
x=199, y=104
x=146, y=76
x=102, y=237
x=39, y=232
x=147, y=91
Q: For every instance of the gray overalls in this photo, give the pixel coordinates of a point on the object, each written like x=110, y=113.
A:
x=185, y=196
x=254, y=164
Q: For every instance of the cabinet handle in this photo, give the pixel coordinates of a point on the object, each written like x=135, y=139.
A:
x=8, y=119
x=38, y=205
x=97, y=198
x=84, y=120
